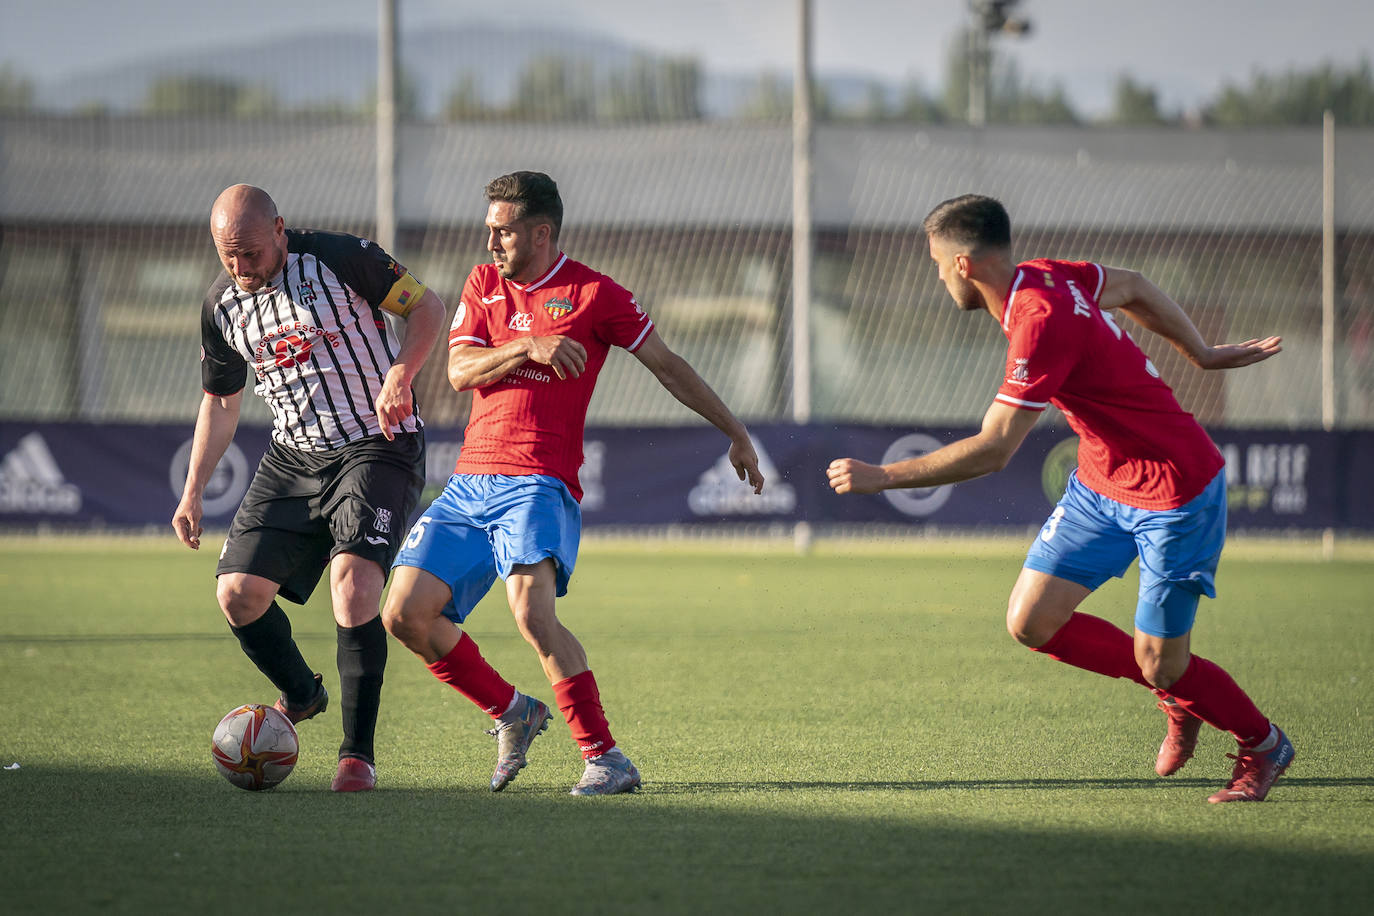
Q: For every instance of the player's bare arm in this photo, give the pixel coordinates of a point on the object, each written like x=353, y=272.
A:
x=680, y=380
x=215, y=425
x=1153, y=309
x=1004, y=429
x=396, y=400
x=473, y=367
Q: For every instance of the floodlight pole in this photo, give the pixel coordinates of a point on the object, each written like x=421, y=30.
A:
x=802, y=142
x=978, y=65
x=986, y=18
x=386, y=125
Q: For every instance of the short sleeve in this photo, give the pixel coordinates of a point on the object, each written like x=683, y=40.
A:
x=621, y=322
x=1042, y=350
x=367, y=269
x=223, y=370
x=469, y=327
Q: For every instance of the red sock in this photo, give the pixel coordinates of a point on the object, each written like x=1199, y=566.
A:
x=1209, y=693
x=466, y=671
x=1093, y=644
x=580, y=702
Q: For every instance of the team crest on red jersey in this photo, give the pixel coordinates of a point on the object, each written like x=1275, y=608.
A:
x=559, y=307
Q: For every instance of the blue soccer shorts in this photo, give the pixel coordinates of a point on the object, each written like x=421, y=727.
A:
x=484, y=524
x=1089, y=539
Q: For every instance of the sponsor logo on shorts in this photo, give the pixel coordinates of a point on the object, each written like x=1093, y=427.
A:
x=382, y=522
x=375, y=541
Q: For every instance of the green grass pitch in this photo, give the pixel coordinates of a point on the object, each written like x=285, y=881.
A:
x=846, y=732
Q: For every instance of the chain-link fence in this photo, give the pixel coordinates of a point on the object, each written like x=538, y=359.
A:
x=105, y=252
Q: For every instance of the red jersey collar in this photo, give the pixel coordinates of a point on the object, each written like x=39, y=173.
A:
x=562, y=259
x=1011, y=295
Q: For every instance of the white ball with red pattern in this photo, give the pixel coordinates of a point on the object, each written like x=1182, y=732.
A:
x=255, y=747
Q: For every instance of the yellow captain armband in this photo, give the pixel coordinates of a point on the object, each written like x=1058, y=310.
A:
x=405, y=292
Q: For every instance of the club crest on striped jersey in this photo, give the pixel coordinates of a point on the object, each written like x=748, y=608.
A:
x=559, y=307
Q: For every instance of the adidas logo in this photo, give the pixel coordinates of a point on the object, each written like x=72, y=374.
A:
x=719, y=491
x=31, y=481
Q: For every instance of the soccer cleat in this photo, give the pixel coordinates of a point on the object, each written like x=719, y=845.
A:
x=513, y=739
x=299, y=714
x=355, y=775
x=607, y=774
x=1256, y=771
x=1180, y=741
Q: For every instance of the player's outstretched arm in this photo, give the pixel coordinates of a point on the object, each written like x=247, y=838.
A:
x=215, y=425
x=1004, y=429
x=396, y=400
x=1153, y=309
x=682, y=382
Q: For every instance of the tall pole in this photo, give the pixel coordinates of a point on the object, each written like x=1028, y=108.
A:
x=802, y=141
x=1328, y=271
x=386, y=125
x=978, y=66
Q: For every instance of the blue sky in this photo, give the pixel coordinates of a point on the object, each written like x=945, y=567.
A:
x=1188, y=49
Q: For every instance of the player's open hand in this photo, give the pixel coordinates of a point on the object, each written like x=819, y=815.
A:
x=565, y=356
x=186, y=521
x=746, y=464
x=394, y=402
x=849, y=475
x=1233, y=356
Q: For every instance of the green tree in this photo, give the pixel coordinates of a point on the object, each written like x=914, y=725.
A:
x=768, y=99
x=916, y=106
x=555, y=89
x=654, y=89
x=16, y=90
x=1134, y=104
x=464, y=101
x=194, y=94
x=1298, y=97
x=1011, y=98
x=407, y=97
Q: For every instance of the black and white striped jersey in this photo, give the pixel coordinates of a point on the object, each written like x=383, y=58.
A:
x=316, y=339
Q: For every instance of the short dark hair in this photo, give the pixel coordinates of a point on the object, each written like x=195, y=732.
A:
x=534, y=194
x=972, y=220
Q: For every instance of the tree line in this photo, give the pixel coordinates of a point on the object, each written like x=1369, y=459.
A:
x=666, y=89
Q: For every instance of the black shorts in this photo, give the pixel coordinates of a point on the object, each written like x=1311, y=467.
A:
x=302, y=508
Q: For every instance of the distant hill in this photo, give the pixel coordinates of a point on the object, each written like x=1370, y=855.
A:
x=337, y=66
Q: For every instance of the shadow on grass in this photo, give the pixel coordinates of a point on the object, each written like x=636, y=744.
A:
x=932, y=785
x=143, y=841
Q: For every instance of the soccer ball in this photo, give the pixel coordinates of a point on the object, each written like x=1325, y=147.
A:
x=255, y=747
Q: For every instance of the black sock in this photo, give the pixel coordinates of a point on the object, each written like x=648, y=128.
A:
x=268, y=644
x=362, y=659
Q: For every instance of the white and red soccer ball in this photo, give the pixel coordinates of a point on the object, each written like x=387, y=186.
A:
x=255, y=747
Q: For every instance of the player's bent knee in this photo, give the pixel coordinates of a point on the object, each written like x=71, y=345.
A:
x=1162, y=671
x=243, y=600
x=1028, y=628
x=406, y=618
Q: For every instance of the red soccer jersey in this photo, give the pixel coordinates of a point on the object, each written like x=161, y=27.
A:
x=531, y=421
x=1136, y=445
